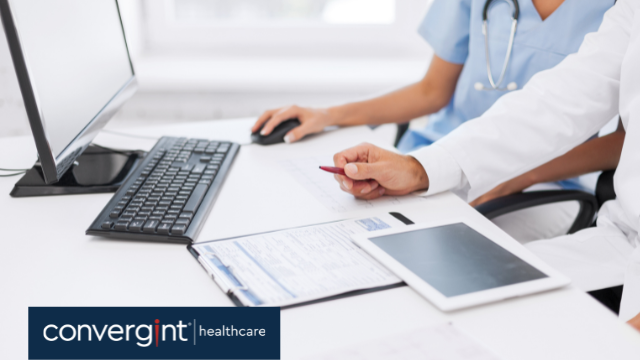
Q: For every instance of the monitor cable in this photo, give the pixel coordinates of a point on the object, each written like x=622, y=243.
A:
x=19, y=172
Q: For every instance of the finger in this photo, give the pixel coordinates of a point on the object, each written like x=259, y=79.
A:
x=373, y=194
x=364, y=187
x=298, y=133
x=354, y=154
x=262, y=119
x=363, y=171
x=344, y=181
x=277, y=118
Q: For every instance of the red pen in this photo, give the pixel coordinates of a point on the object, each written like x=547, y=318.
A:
x=333, y=170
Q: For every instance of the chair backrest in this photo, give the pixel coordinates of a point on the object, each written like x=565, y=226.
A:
x=604, y=187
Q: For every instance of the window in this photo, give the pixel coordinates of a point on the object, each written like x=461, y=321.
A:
x=278, y=12
x=284, y=28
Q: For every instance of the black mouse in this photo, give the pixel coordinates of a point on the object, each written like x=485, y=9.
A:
x=277, y=135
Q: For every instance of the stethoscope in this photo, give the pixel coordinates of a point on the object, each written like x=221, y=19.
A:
x=495, y=86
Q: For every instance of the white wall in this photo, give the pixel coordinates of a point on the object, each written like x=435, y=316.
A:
x=174, y=88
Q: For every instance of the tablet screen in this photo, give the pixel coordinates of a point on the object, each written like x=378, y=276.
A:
x=456, y=260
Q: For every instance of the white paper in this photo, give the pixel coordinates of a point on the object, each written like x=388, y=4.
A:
x=427, y=343
x=325, y=189
x=302, y=264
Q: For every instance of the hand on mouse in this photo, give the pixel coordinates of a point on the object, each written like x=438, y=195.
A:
x=311, y=121
x=373, y=172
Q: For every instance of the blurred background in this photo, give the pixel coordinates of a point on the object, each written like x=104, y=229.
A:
x=219, y=59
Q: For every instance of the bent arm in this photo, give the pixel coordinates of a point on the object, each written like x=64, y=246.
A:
x=425, y=97
x=556, y=111
x=599, y=154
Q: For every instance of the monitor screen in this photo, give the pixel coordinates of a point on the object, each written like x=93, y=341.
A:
x=77, y=60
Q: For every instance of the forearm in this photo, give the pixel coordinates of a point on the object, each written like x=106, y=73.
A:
x=425, y=97
x=399, y=106
x=599, y=154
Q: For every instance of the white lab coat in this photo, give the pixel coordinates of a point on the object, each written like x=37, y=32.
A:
x=557, y=110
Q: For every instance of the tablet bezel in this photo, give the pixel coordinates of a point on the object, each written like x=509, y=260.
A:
x=553, y=280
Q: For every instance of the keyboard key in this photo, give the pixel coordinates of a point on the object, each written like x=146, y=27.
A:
x=114, y=214
x=199, y=168
x=186, y=215
x=196, y=198
x=171, y=217
x=178, y=229
x=121, y=225
x=155, y=217
x=205, y=159
x=164, y=228
x=150, y=226
x=106, y=225
x=174, y=211
x=183, y=222
x=136, y=225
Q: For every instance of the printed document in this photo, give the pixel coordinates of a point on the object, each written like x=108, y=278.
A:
x=297, y=265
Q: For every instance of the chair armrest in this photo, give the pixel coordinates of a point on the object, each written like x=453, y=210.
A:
x=514, y=202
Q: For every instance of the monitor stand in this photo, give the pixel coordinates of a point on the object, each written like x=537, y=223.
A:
x=97, y=170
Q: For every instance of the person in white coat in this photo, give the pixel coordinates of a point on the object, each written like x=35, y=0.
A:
x=557, y=110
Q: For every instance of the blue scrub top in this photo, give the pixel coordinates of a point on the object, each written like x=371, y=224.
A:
x=454, y=29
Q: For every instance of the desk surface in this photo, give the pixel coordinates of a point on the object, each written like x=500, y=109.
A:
x=48, y=261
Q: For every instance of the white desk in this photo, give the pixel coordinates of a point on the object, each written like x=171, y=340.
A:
x=48, y=261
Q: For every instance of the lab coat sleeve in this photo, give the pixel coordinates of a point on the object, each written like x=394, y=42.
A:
x=446, y=29
x=443, y=171
x=557, y=110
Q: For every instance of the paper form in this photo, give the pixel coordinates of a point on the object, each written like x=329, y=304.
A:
x=427, y=343
x=302, y=264
x=325, y=189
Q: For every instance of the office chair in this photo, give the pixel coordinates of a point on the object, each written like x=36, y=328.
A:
x=589, y=206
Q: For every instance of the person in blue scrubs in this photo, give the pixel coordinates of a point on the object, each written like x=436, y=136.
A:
x=456, y=86
x=454, y=31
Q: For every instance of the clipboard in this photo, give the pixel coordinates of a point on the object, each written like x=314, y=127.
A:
x=242, y=296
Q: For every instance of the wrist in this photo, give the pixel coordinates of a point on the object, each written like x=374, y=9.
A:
x=419, y=177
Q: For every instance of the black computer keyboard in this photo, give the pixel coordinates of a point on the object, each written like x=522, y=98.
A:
x=169, y=195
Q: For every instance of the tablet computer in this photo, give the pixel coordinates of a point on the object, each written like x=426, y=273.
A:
x=455, y=266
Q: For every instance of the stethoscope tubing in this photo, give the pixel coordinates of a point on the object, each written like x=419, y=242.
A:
x=495, y=85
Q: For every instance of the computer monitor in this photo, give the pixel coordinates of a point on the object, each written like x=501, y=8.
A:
x=74, y=70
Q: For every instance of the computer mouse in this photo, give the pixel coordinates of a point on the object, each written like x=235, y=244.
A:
x=277, y=135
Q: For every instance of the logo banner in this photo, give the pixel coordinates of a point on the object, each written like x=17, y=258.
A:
x=154, y=333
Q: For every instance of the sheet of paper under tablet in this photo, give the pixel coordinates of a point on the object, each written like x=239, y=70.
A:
x=302, y=264
x=427, y=343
